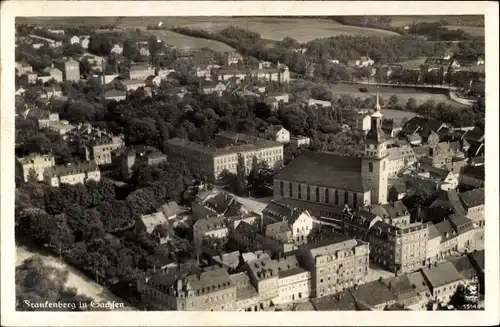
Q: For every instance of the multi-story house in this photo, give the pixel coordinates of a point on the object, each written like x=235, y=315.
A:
x=299, y=141
x=293, y=281
x=74, y=39
x=141, y=72
x=155, y=224
x=70, y=69
x=264, y=276
x=396, y=245
x=473, y=203
x=23, y=68
x=287, y=224
x=55, y=73
x=432, y=177
x=131, y=84
x=319, y=103
x=35, y=165
x=278, y=133
x=247, y=298
x=443, y=280
x=71, y=174
x=98, y=148
x=212, y=161
x=209, y=290
x=213, y=87
x=364, y=61
x=335, y=264
x=399, y=159
x=213, y=228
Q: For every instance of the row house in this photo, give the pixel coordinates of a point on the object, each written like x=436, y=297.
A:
x=286, y=224
x=72, y=174
x=213, y=228
x=395, y=243
x=35, y=165
x=335, y=264
x=399, y=159
x=211, y=289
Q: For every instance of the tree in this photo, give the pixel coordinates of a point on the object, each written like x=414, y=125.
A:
x=411, y=104
x=39, y=283
x=393, y=100
x=241, y=177
x=55, y=201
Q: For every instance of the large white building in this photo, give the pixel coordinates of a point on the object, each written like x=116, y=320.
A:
x=212, y=161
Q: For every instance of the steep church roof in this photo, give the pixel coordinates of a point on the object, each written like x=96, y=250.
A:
x=326, y=169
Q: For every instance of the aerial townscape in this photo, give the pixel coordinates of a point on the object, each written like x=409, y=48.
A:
x=250, y=164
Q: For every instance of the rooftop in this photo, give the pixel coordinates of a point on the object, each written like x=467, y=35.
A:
x=442, y=274
x=326, y=169
x=343, y=301
x=472, y=198
x=213, y=151
x=373, y=293
x=71, y=169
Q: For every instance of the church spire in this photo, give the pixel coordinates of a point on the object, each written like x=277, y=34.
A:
x=377, y=106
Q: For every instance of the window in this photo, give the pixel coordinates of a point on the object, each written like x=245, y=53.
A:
x=354, y=200
x=282, y=188
x=299, y=195
x=346, y=198
x=308, y=194
x=336, y=197
x=383, y=166
x=327, y=196
x=290, y=190
x=317, y=194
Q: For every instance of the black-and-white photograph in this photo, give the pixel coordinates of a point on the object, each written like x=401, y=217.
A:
x=250, y=163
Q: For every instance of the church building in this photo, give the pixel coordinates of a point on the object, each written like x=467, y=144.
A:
x=330, y=179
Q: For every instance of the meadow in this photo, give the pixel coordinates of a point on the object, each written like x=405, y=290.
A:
x=385, y=92
x=182, y=41
x=465, y=20
x=272, y=28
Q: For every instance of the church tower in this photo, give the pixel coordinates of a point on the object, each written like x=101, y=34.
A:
x=375, y=166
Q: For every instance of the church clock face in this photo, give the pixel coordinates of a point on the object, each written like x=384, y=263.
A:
x=372, y=146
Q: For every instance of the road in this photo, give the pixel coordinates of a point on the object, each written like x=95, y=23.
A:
x=76, y=279
x=438, y=86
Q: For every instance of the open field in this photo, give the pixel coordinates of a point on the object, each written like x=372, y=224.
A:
x=403, y=94
x=472, y=30
x=273, y=28
x=301, y=29
x=397, y=115
x=472, y=20
x=184, y=41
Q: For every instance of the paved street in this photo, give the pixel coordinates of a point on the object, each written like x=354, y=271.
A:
x=76, y=279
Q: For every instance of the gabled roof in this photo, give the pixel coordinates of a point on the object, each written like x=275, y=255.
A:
x=153, y=220
x=465, y=267
x=343, y=301
x=442, y=274
x=326, y=169
x=472, y=198
x=373, y=293
x=170, y=209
